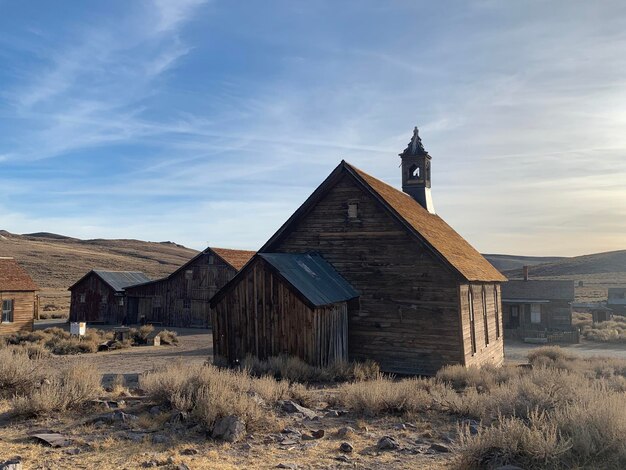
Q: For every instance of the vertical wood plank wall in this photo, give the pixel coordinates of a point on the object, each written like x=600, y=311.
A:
x=492, y=353
x=263, y=317
x=101, y=304
x=409, y=316
x=178, y=301
x=23, y=312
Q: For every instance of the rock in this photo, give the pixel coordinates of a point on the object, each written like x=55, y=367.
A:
x=230, y=428
x=182, y=466
x=314, y=435
x=290, y=466
x=13, y=464
x=134, y=436
x=343, y=458
x=292, y=433
x=288, y=442
x=289, y=406
x=160, y=439
x=149, y=464
x=189, y=451
x=346, y=447
x=120, y=417
x=400, y=427
x=387, y=443
x=332, y=414
x=74, y=451
x=439, y=447
x=155, y=410
x=346, y=431
x=246, y=446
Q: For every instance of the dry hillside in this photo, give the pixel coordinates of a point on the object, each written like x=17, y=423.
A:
x=55, y=261
x=597, y=272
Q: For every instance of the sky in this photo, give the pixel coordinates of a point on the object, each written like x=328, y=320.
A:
x=208, y=122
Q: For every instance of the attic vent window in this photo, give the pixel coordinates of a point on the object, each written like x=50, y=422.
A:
x=81, y=298
x=414, y=172
x=353, y=210
x=189, y=274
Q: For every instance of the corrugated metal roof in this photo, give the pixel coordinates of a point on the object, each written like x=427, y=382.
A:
x=312, y=276
x=119, y=280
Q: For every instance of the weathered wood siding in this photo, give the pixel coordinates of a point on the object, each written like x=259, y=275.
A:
x=557, y=314
x=489, y=342
x=409, y=308
x=181, y=300
x=262, y=316
x=23, y=312
x=101, y=305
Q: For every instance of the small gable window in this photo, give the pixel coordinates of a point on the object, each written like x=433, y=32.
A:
x=81, y=298
x=353, y=210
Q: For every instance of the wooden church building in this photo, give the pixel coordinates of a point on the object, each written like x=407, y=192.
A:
x=182, y=298
x=387, y=280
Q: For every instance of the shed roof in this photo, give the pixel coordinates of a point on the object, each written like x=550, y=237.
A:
x=117, y=280
x=312, y=276
x=445, y=242
x=14, y=278
x=538, y=289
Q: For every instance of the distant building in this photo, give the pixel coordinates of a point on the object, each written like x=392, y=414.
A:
x=537, y=304
x=426, y=297
x=17, y=297
x=99, y=296
x=617, y=300
x=182, y=298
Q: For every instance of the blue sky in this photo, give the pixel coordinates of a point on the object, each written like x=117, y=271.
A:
x=210, y=122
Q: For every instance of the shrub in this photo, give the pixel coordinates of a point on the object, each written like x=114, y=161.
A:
x=70, y=389
x=168, y=337
x=209, y=393
x=61, y=342
x=296, y=370
x=19, y=372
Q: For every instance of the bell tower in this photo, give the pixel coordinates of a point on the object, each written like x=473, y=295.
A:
x=416, y=172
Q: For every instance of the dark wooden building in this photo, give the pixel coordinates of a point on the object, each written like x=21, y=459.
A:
x=99, y=296
x=427, y=298
x=617, y=300
x=281, y=303
x=182, y=298
x=17, y=297
x=531, y=305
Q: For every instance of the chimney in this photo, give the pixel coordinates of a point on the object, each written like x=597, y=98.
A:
x=526, y=268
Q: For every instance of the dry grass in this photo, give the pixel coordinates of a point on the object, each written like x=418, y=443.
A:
x=295, y=370
x=208, y=393
x=19, y=372
x=58, y=341
x=613, y=331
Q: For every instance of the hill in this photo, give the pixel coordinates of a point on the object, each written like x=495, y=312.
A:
x=597, y=272
x=511, y=262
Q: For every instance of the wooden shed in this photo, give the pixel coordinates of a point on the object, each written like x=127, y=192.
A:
x=17, y=297
x=182, y=298
x=427, y=297
x=99, y=296
x=280, y=303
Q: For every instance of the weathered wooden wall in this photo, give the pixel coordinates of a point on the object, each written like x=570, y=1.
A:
x=23, y=312
x=489, y=337
x=101, y=304
x=262, y=316
x=409, y=310
x=182, y=299
x=557, y=314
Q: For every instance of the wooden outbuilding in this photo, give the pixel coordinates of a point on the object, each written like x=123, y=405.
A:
x=18, y=297
x=182, y=298
x=617, y=300
x=99, y=296
x=537, y=304
x=281, y=303
x=427, y=298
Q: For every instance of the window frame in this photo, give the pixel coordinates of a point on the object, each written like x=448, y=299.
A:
x=470, y=297
x=485, y=317
x=8, y=314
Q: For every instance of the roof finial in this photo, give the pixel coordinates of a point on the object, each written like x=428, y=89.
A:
x=415, y=147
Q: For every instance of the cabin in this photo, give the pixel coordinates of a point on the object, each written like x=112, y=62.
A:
x=537, y=305
x=617, y=300
x=182, y=298
x=300, y=308
x=426, y=297
x=99, y=296
x=17, y=297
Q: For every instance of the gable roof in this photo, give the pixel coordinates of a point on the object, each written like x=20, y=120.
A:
x=14, y=278
x=116, y=280
x=234, y=258
x=538, y=289
x=309, y=274
x=431, y=229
